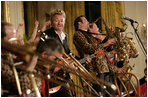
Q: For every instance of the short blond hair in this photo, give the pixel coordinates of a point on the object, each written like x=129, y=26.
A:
x=57, y=12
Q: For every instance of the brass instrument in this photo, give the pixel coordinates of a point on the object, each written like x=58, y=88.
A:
x=23, y=51
x=31, y=76
x=133, y=53
x=16, y=75
x=93, y=78
x=119, y=46
x=126, y=84
x=124, y=46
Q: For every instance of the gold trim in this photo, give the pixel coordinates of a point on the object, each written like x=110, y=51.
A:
x=6, y=11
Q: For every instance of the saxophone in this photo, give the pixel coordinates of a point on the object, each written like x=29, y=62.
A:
x=133, y=52
x=124, y=46
x=119, y=46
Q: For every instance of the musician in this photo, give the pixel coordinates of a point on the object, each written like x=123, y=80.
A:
x=58, y=18
x=84, y=41
x=51, y=46
x=56, y=55
x=7, y=74
x=4, y=35
x=94, y=31
x=8, y=31
x=33, y=36
x=87, y=44
x=13, y=34
x=110, y=54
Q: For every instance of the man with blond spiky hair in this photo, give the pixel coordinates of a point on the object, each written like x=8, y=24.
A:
x=58, y=18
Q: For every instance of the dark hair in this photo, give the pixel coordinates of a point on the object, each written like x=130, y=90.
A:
x=3, y=24
x=91, y=25
x=50, y=46
x=78, y=19
x=145, y=69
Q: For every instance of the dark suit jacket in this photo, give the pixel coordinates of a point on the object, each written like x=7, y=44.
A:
x=143, y=80
x=52, y=34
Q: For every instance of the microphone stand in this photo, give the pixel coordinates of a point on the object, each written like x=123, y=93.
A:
x=135, y=29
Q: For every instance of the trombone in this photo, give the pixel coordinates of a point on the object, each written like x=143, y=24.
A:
x=92, y=78
x=22, y=50
x=82, y=73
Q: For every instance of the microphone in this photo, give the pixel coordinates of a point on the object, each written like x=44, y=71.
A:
x=126, y=18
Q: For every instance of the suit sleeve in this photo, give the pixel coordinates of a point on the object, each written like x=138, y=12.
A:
x=83, y=43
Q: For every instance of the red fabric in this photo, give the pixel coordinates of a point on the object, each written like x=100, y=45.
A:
x=43, y=87
x=143, y=90
x=94, y=40
x=110, y=60
x=48, y=88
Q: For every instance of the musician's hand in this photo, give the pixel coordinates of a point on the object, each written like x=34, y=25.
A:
x=70, y=64
x=88, y=59
x=120, y=70
x=36, y=24
x=56, y=69
x=110, y=42
x=47, y=23
x=123, y=34
x=111, y=28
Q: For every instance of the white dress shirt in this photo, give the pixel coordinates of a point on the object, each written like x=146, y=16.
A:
x=61, y=36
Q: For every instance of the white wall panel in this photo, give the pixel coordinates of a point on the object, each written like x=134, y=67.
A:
x=137, y=10
x=17, y=14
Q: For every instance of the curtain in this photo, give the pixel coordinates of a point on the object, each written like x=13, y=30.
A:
x=73, y=9
x=5, y=16
x=30, y=15
x=111, y=11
